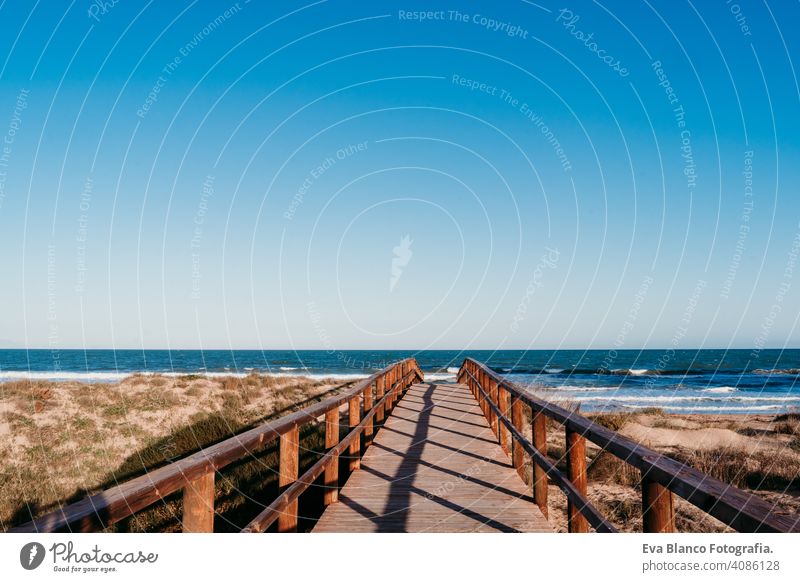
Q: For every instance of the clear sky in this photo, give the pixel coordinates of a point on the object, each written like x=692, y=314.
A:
x=358, y=175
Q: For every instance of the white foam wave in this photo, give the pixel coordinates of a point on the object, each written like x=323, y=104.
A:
x=64, y=376
x=453, y=370
x=631, y=372
x=692, y=399
x=100, y=377
x=720, y=390
x=439, y=376
x=553, y=370
x=580, y=388
x=737, y=409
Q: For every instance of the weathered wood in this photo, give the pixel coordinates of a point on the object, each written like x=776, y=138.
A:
x=503, y=405
x=275, y=509
x=658, y=509
x=354, y=409
x=576, y=471
x=380, y=382
x=390, y=400
x=198, y=505
x=540, y=484
x=419, y=478
x=741, y=510
x=368, y=431
x=331, y=478
x=484, y=382
x=112, y=505
x=594, y=517
x=288, y=469
x=517, y=452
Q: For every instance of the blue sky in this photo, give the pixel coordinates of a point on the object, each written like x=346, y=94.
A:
x=214, y=174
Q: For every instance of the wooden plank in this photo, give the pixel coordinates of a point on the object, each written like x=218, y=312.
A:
x=368, y=430
x=658, y=509
x=422, y=474
x=503, y=405
x=741, y=510
x=573, y=494
x=110, y=506
x=275, y=509
x=495, y=398
x=198, y=505
x=271, y=513
x=354, y=408
x=540, y=484
x=288, y=468
x=576, y=471
x=379, y=391
x=331, y=478
x=517, y=452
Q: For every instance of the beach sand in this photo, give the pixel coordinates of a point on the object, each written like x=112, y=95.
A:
x=757, y=453
x=62, y=440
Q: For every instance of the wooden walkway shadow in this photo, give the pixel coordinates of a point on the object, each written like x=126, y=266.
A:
x=434, y=467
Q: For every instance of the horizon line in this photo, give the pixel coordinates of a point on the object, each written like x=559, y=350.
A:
x=537, y=349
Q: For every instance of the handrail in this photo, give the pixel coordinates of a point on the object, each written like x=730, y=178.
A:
x=195, y=473
x=589, y=511
x=661, y=475
x=271, y=513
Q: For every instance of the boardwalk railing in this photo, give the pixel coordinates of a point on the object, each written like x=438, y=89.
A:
x=502, y=402
x=368, y=401
x=661, y=476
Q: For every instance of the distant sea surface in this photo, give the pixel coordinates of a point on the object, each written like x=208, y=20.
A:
x=685, y=381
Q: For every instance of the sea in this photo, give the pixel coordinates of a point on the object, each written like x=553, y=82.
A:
x=681, y=381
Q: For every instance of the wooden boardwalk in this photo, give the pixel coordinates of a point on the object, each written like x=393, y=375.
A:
x=434, y=467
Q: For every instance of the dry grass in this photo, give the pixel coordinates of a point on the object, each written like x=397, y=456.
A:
x=61, y=441
x=766, y=463
x=746, y=469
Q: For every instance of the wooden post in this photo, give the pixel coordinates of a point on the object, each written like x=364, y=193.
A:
x=198, y=505
x=288, y=468
x=539, y=475
x=332, y=470
x=367, y=408
x=486, y=396
x=517, y=452
x=491, y=388
x=658, y=508
x=481, y=395
x=576, y=471
x=502, y=397
x=380, y=382
x=355, y=444
x=389, y=381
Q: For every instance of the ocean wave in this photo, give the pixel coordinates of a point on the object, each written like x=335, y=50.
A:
x=64, y=376
x=438, y=376
x=656, y=399
x=453, y=370
x=580, y=388
x=735, y=409
x=720, y=390
x=784, y=371
x=106, y=377
x=634, y=372
x=554, y=370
